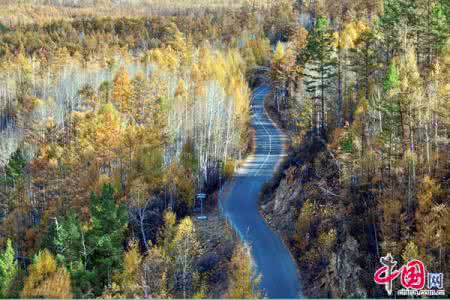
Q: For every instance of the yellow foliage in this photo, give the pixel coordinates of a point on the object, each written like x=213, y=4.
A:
x=350, y=34
x=100, y=134
x=122, y=90
x=243, y=284
x=326, y=241
x=169, y=218
x=128, y=280
x=182, y=47
x=427, y=189
x=181, y=88
x=138, y=192
x=184, y=229
x=410, y=252
x=102, y=180
x=45, y=279
x=228, y=168
x=278, y=54
x=180, y=182
x=256, y=51
x=299, y=38
x=362, y=107
x=165, y=58
x=167, y=232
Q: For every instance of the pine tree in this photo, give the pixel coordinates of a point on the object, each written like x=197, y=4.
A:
x=392, y=79
x=320, y=62
x=105, y=238
x=397, y=14
x=8, y=269
x=365, y=59
x=432, y=29
x=14, y=169
x=66, y=239
x=439, y=26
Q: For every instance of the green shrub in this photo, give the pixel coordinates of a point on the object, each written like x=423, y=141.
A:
x=347, y=143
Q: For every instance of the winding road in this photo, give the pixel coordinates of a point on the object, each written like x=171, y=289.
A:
x=272, y=258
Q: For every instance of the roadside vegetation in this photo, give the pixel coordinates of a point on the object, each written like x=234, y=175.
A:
x=362, y=88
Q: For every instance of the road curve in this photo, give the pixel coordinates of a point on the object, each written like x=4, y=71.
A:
x=272, y=258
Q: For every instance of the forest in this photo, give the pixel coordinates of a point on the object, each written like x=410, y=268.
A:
x=109, y=127
x=115, y=114
x=363, y=92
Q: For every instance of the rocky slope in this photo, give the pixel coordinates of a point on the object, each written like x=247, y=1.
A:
x=328, y=255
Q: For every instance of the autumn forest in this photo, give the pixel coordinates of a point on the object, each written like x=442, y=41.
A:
x=115, y=115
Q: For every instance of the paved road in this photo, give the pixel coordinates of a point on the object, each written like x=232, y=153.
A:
x=272, y=258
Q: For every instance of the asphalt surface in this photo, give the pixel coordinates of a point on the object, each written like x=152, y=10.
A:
x=272, y=258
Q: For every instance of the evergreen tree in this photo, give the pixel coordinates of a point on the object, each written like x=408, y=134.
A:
x=105, y=238
x=440, y=25
x=14, y=169
x=365, y=60
x=392, y=79
x=432, y=29
x=320, y=62
x=397, y=14
x=8, y=269
x=66, y=239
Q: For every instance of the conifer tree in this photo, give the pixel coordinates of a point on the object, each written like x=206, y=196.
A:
x=105, y=238
x=365, y=59
x=397, y=14
x=8, y=269
x=320, y=62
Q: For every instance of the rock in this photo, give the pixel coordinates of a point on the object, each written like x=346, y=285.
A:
x=343, y=274
x=314, y=174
